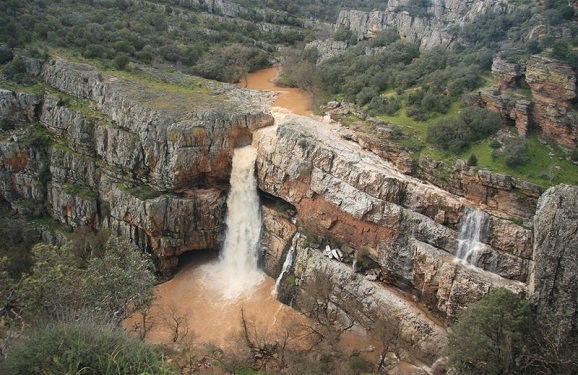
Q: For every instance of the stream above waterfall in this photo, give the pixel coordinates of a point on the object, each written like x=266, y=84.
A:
x=293, y=99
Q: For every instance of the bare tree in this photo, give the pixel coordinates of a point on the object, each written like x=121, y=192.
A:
x=176, y=321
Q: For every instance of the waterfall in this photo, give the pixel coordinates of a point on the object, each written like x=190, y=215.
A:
x=471, y=236
x=288, y=263
x=237, y=271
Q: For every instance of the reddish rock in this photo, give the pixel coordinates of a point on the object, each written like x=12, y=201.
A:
x=553, y=86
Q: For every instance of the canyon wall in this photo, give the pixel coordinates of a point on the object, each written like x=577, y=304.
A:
x=428, y=29
x=150, y=161
x=407, y=228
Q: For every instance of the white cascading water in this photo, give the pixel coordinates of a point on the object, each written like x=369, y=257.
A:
x=288, y=263
x=471, y=236
x=237, y=271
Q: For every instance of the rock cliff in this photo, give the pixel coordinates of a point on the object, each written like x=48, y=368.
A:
x=553, y=86
x=548, y=107
x=555, y=284
x=149, y=160
x=408, y=228
x=428, y=30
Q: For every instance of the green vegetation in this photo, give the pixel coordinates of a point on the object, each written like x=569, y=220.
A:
x=81, y=191
x=62, y=306
x=500, y=334
x=81, y=348
x=456, y=134
x=166, y=33
x=141, y=192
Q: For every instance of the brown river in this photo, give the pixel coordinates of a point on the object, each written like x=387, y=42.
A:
x=292, y=99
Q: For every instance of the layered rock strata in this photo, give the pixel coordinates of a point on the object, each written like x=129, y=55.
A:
x=149, y=160
x=553, y=86
x=350, y=196
x=428, y=30
x=539, y=95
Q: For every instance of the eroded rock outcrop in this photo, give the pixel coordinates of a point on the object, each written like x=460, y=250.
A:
x=553, y=86
x=350, y=196
x=419, y=339
x=168, y=139
x=150, y=163
x=555, y=284
x=428, y=30
x=17, y=107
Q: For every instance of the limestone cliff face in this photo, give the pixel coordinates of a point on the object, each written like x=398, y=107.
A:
x=18, y=107
x=148, y=162
x=381, y=310
x=428, y=30
x=352, y=197
x=553, y=86
x=167, y=142
x=556, y=255
x=550, y=107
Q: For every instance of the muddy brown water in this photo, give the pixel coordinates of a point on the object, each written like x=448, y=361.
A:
x=293, y=99
x=193, y=297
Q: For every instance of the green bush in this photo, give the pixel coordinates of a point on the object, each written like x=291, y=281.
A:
x=121, y=61
x=80, y=348
x=456, y=134
x=489, y=335
x=515, y=152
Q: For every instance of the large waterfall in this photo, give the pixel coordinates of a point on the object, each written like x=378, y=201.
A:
x=237, y=271
x=471, y=236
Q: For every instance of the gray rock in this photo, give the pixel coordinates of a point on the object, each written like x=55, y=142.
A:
x=555, y=289
x=427, y=32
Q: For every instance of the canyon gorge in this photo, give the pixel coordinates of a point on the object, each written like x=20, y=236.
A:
x=152, y=163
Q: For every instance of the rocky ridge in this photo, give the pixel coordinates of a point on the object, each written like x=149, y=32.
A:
x=427, y=31
x=548, y=108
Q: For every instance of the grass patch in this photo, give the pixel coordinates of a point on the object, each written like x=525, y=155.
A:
x=544, y=167
x=141, y=192
x=548, y=165
x=80, y=191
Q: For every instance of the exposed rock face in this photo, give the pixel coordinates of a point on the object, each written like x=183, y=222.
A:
x=427, y=31
x=18, y=107
x=553, y=86
x=369, y=304
x=351, y=196
x=278, y=231
x=512, y=108
x=327, y=48
x=555, y=286
x=158, y=139
x=507, y=72
x=152, y=165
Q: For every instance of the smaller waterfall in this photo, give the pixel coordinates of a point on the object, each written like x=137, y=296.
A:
x=288, y=263
x=471, y=236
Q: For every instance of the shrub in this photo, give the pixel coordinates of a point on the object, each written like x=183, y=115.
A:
x=80, y=348
x=449, y=134
x=515, y=152
x=489, y=334
x=472, y=160
x=456, y=134
x=121, y=61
